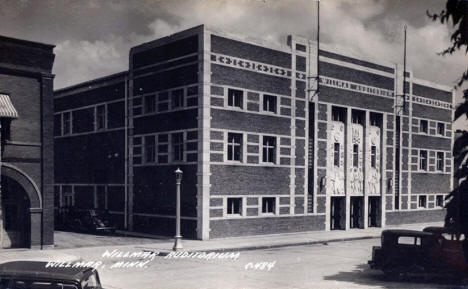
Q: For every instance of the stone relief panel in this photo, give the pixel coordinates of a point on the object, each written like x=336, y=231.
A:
x=335, y=171
x=355, y=170
x=373, y=171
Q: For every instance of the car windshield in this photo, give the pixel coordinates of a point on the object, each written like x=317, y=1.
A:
x=30, y=284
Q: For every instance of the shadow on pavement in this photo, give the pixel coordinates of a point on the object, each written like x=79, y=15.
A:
x=363, y=275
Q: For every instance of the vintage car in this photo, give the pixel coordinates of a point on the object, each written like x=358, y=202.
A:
x=36, y=275
x=94, y=221
x=430, y=253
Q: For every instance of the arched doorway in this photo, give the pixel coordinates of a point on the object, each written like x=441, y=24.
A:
x=21, y=209
x=16, y=214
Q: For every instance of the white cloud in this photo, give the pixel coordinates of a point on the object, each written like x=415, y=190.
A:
x=77, y=61
x=358, y=27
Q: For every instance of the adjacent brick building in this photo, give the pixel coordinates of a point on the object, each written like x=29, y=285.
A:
x=26, y=114
x=261, y=153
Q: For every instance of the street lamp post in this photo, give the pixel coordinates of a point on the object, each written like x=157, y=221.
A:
x=178, y=237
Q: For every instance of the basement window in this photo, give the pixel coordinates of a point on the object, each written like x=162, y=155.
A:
x=234, y=206
x=268, y=205
x=422, y=201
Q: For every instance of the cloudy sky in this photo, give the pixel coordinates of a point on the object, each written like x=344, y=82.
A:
x=93, y=37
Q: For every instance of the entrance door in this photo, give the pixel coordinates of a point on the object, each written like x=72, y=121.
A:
x=337, y=206
x=355, y=216
x=374, y=212
x=16, y=215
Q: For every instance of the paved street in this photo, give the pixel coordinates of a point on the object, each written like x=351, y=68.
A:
x=336, y=265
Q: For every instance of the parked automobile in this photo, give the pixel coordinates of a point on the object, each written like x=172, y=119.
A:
x=406, y=252
x=95, y=221
x=36, y=275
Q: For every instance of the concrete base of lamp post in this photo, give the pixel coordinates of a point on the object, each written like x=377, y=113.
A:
x=177, y=243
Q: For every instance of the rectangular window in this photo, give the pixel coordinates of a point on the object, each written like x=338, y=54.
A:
x=375, y=119
x=67, y=196
x=268, y=205
x=269, y=103
x=439, y=201
x=373, y=156
x=355, y=155
x=269, y=149
x=440, y=161
x=407, y=240
x=101, y=117
x=150, y=149
x=423, y=160
x=336, y=155
x=178, y=146
x=234, y=206
x=234, y=150
x=422, y=201
x=338, y=114
x=357, y=116
x=177, y=98
x=150, y=103
x=66, y=123
x=440, y=128
x=423, y=126
x=235, y=97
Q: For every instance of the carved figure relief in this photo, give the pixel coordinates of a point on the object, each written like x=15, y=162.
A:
x=373, y=172
x=335, y=172
x=355, y=173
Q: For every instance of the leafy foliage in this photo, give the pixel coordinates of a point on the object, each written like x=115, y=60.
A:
x=457, y=11
x=456, y=219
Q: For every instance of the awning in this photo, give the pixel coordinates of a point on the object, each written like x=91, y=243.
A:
x=6, y=107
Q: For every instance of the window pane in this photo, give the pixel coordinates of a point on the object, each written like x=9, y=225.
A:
x=268, y=205
x=269, y=149
x=234, y=205
x=150, y=103
x=235, y=97
x=178, y=146
x=336, y=160
x=150, y=147
x=355, y=155
x=269, y=103
x=373, y=156
x=177, y=98
x=423, y=126
x=234, y=147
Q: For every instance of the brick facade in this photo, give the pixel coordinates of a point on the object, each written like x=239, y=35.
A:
x=257, y=149
x=26, y=199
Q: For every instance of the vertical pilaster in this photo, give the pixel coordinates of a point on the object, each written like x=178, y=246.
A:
x=365, y=166
x=46, y=223
x=129, y=149
x=328, y=196
x=383, y=169
x=204, y=125
x=292, y=171
x=348, y=162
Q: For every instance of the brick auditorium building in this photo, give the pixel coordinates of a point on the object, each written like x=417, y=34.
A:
x=260, y=153
x=26, y=155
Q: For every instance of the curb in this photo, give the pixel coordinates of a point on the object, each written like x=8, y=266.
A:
x=165, y=252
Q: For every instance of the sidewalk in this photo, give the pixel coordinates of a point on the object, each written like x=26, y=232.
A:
x=277, y=240
x=7, y=255
x=164, y=246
